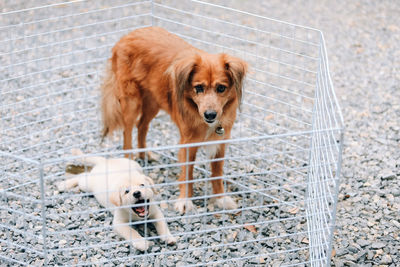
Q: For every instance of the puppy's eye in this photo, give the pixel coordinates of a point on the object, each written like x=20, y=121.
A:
x=127, y=191
x=199, y=88
x=221, y=88
x=142, y=185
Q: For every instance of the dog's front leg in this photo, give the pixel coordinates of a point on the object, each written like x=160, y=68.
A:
x=161, y=226
x=124, y=230
x=185, y=155
x=217, y=169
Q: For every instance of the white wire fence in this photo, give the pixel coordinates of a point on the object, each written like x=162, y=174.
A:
x=282, y=165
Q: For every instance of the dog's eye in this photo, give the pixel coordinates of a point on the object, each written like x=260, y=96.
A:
x=127, y=191
x=142, y=185
x=199, y=88
x=221, y=88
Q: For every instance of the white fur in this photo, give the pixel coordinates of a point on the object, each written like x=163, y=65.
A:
x=226, y=203
x=108, y=181
x=183, y=205
x=211, y=150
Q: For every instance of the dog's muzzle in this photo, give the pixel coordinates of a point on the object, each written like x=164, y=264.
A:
x=141, y=210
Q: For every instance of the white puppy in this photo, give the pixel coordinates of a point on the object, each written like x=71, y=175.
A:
x=121, y=182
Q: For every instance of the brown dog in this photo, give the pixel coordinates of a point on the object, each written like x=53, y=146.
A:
x=152, y=69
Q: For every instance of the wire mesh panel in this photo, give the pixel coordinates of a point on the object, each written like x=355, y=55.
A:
x=281, y=167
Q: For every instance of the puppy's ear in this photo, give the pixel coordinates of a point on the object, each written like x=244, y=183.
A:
x=236, y=70
x=181, y=73
x=151, y=182
x=115, y=198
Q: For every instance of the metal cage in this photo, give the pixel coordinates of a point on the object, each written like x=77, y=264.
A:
x=282, y=164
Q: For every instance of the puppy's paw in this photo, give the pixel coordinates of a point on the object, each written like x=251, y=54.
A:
x=141, y=244
x=226, y=203
x=183, y=205
x=169, y=239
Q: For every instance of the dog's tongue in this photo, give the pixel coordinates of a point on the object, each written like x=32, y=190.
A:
x=140, y=209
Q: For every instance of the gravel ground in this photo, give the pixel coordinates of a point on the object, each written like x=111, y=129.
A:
x=361, y=43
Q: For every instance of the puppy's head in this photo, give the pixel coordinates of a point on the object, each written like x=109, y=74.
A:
x=209, y=83
x=138, y=193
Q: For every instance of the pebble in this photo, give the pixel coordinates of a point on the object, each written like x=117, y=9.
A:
x=386, y=259
x=363, y=242
x=388, y=175
x=378, y=245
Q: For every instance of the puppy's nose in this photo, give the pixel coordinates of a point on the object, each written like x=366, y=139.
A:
x=137, y=194
x=210, y=115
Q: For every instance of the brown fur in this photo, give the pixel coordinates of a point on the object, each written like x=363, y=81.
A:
x=152, y=69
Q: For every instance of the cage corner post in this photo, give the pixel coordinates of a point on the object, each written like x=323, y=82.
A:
x=43, y=204
x=334, y=208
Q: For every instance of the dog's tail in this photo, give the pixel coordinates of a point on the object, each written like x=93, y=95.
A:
x=87, y=160
x=110, y=106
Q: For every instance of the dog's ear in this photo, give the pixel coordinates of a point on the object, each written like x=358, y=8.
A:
x=115, y=198
x=236, y=70
x=181, y=73
x=151, y=182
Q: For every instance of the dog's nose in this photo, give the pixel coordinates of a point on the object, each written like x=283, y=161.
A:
x=137, y=194
x=210, y=115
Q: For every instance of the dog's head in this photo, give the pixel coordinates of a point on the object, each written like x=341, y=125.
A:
x=209, y=83
x=138, y=193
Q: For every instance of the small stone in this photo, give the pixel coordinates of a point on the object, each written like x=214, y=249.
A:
x=197, y=253
x=350, y=258
x=370, y=255
x=216, y=237
x=388, y=175
x=386, y=259
x=231, y=237
x=182, y=246
x=360, y=254
x=340, y=252
x=352, y=249
x=363, y=242
x=396, y=223
x=366, y=184
x=155, y=249
x=378, y=245
x=254, y=260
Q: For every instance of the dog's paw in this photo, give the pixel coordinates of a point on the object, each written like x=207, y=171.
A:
x=149, y=155
x=169, y=239
x=183, y=205
x=141, y=244
x=226, y=203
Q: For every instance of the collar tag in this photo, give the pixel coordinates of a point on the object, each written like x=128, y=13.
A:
x=219, y=130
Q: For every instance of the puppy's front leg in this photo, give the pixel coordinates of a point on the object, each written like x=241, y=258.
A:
x=161, y=226
x=68, y=184
x=127, y=232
